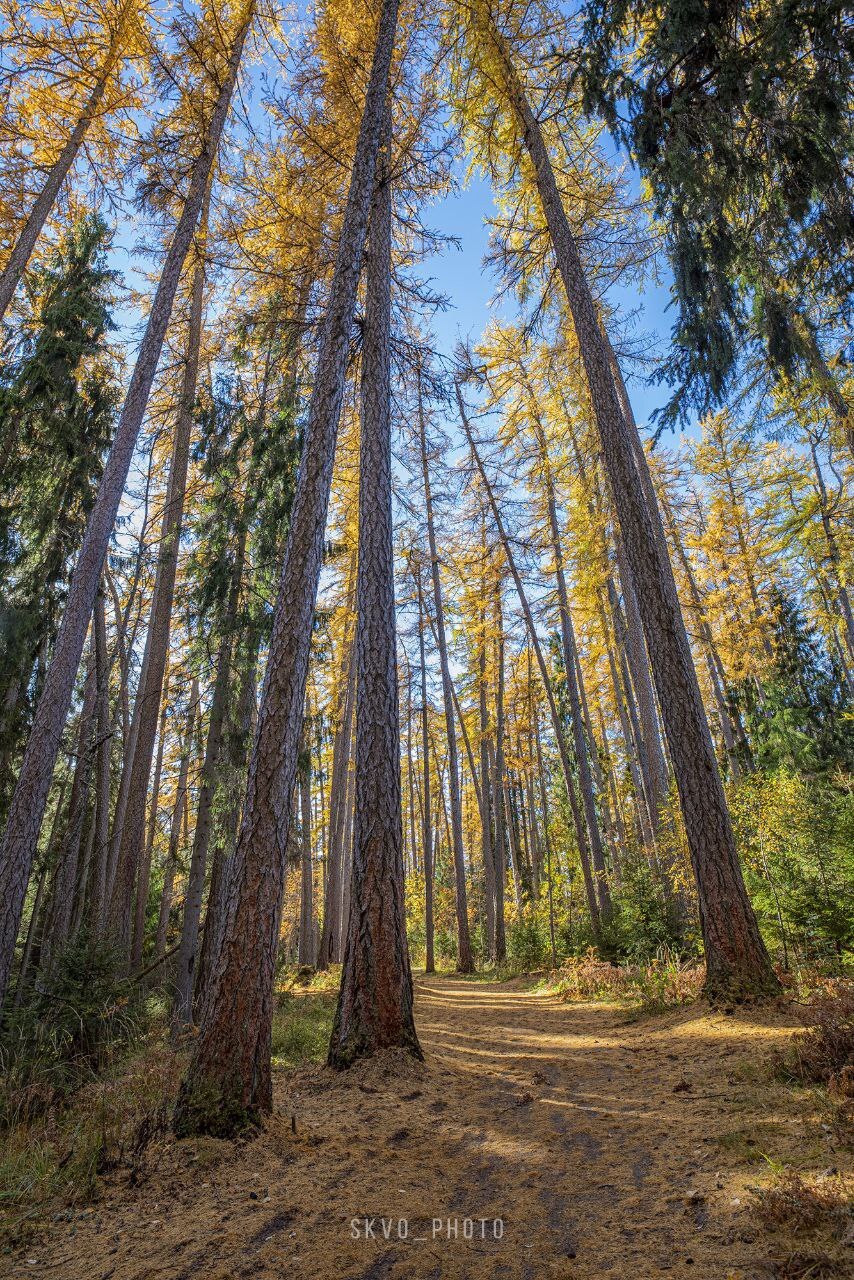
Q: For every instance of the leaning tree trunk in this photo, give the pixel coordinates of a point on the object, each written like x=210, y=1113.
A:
x=32, y=229
x=737, y=963
x=567, y=632
x=28, y=803
x=132, y=836
x=374, y=1009
x=465, y=959
x=229, y=1081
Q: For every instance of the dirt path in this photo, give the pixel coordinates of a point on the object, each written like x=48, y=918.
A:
x=605, y=1148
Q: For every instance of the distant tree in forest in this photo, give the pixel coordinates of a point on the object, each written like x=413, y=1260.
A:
x=58, y=396
x=799, y=714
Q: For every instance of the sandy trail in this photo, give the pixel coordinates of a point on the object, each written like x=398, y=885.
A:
x=595, y=1142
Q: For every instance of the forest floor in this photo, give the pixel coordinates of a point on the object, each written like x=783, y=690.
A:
x=606, y=1146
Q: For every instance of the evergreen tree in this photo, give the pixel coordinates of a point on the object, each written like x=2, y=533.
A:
x=57, y=402
x=738, y=116
x=799, y=714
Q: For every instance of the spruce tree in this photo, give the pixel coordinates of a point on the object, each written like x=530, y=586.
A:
x=58, y=397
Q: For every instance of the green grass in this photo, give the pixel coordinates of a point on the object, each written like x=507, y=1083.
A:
x=302, y=1025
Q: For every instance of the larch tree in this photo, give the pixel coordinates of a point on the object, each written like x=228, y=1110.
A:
x=228, y=1081
x=375, y=1003
x=737, y=962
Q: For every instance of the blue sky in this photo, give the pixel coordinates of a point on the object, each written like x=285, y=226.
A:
x=459, y=273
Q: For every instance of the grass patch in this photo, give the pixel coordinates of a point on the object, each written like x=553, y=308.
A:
x=302, y=1025
x=741, y=1146
x=664, y=983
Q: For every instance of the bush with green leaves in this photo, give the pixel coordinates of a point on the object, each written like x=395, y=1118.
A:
x=74, y=1021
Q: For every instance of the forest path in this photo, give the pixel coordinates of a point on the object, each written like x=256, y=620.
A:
x=606, y=1147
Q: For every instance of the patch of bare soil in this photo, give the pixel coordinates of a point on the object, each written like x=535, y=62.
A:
x=540, y=1139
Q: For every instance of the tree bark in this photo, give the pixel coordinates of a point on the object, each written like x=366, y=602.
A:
x=229, y=1081
x=737, y=963
x=375, y=1003
x=426, y=817
x=28, y=803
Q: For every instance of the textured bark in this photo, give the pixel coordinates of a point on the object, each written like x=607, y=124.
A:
x=375, y=1001
x=331, y=929
x=305, y=953
x=132, y=835
x=28, y=804
x=426, y=816
x=32, y=229
x=465, y=959
x=229, y=1082
x=737, y=963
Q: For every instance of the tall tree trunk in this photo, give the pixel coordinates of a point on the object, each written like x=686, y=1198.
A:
x=32, y=228
x=737, y=963
x=143, y=880
x=229, y=1079
x=465, y=959
x=499, y=853
x=132, y=835
x=28, y=803
x=182, y=1001
x=570, y=661
x=486, y=790
x=426, y=817
x=59, y=917
x=331, y=929
x=179, y=809
x=375, y=1001
x=305, y=954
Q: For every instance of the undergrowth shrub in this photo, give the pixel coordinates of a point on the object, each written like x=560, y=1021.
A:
x=824, y=1053
x=73, y=1024
x=302, y=1025
x=665, y=982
